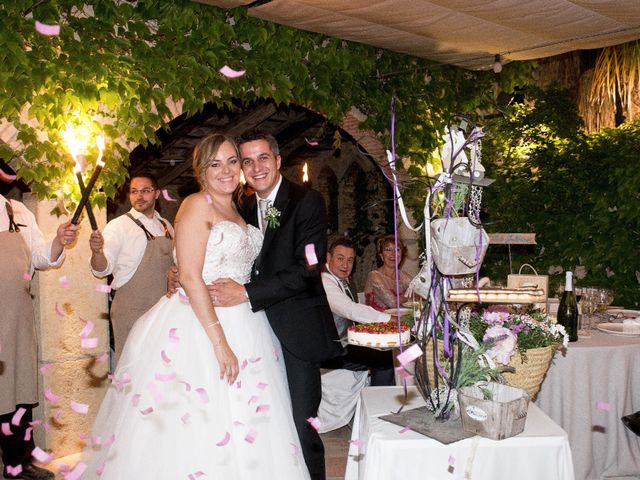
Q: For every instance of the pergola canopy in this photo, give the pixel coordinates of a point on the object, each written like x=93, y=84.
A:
x=460, y=32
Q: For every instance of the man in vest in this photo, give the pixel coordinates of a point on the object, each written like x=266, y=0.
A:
x=22, y=249
x=137, y=249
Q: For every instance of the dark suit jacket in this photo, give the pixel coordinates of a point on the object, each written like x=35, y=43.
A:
x=282, y=282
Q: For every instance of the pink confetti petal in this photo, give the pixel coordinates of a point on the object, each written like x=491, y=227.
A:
x=166, y=377
x=135, y=399
x=187, y=385
x=403, y=374
x=76, y=472
x=185, y=418
x=310, y=253
x=82, y=408
x=88, y=327
x=405, y=429
x=198, y=474
x=95, y=441
x=27, y=434
x=50, y=396
x=44, y=369
x=109, y=440
x=63, y=281
x=358, y=443
x=313, y=143
x=251, y=436
x=167, y=197
x=47, y=30
x=63, y=468
x=100, y=469
x=42, y=456
x=255, y=359
x=89, y=342
x=147, y=411
x=103, y=288
x=231, y=73
x=155, y=393
x=6, y=429
x=17, y=417
x=57, y=413
x=102, y=358
x=262, y=386
x=244, y=364
x=36, y=422
x=183, y=298
x=603, y=406
x=295, y=449
x=262, y=408
x=314, y=422
x=225, y=440
x=174, y=340
x=239, y=384
x=59, y=312
x=254, y=398
x=26, y=277
x=452, y=460
x=204, y=396
x=208, y=198
x=165, y=357
x=238, y=424
x=15, y=471
x=409, y=355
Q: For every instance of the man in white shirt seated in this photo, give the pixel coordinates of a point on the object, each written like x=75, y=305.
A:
x=346, y=310
x=137, y=249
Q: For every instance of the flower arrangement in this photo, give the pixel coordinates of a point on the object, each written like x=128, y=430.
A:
x=510, y=331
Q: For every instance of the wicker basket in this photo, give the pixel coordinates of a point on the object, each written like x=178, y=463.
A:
x=530, y=373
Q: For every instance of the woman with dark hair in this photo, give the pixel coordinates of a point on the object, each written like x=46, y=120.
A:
x=382, y=287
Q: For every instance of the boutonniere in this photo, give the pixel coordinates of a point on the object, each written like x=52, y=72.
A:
x=272, y=216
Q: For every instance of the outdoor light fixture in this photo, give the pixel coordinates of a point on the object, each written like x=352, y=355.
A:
x=497, y=64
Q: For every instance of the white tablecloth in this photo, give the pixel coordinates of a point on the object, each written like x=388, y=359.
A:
x=606, y=369
x=541, y=452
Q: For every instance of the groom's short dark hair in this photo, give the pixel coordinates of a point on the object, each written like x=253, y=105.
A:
x=252, y=137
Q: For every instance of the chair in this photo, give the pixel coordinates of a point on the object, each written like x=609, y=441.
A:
x=340, y=392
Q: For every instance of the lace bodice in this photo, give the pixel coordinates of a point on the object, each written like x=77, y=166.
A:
x=231, y=252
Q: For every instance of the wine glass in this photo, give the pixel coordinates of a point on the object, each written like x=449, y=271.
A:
x=588, y=304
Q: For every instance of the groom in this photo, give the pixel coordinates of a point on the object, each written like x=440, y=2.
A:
x=286, y=283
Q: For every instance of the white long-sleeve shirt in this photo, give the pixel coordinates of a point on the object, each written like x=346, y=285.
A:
x=125, y=243
x=342, y=305
x=40, y=248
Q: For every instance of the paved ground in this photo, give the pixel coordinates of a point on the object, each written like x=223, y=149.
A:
x=336, y=446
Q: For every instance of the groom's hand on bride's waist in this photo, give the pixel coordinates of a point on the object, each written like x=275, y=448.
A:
x=226, y=292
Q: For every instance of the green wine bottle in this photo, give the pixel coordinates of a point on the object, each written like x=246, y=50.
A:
x=568, y=309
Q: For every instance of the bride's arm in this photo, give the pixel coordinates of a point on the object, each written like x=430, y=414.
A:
x=192, y=228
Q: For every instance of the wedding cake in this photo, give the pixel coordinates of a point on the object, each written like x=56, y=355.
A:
x=378, y=334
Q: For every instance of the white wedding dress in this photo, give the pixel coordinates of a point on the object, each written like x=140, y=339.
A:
x=167, y=414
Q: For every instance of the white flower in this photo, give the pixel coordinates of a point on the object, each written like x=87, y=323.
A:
x=504, y=345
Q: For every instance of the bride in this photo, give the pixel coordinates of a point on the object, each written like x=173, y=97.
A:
x=200, y=390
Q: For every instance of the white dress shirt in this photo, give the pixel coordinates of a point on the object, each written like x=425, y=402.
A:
x=343, y=306
x=125, y=243
x=40, y=248
x=271, y=199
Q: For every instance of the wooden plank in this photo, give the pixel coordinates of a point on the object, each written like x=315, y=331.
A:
x=512, y=238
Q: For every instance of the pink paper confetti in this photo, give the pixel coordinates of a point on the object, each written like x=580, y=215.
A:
x=183, y=298
x=403, y=374
x=313, y=143
x=262, y=408
x=452, y=460
x=198, y=474
x=165, y=377
x=109, y=440
x=52, y=397
x=208, y=198
x=174, y=340
x=17, y=417
x=358, y=443
x=102, y=358
x=153, y=390
x=251, y=436
x=187, y=385
x=15, y=471
x=244, y=364
x=239, y=384
x=405, y=429
x=7, y=177
x=314, y=422
x=295, y=449
x=27, y=434
x=44, y=369
x=204, y=396
x=95, y=440
x=410, y=354
x=100, y=469
x=63, y=281
x=42, y=456
x=165, y=357
x=88, y=327
x=255, y=359
x=254, y=398
x=82, y=408
x=103, y=288
x=76, y=472
x=36, y=422
x=6, y=429
x=146, y=411
x=230, y=72
x=135, y=399
x=185, y=418
x=47, y=30
x=57, y=413
x=167, y=197
x=603, y=406
x=310, y=253
x=63, y=468
x=26, y=277
x=59, y=312
x=225, y=440
x=238, y=424
x=89, y=342
x=262, y=386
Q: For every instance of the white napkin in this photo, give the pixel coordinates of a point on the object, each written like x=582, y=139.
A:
x=631, y=325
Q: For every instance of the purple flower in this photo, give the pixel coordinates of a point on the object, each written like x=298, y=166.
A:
x=495, y=318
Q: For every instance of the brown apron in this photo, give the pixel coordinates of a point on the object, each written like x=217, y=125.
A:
x=144, y=289
x=18, y=347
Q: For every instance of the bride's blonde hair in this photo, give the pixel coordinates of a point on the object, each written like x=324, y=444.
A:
x=205, y=153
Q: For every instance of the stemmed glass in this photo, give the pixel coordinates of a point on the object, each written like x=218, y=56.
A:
x=588, y=304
